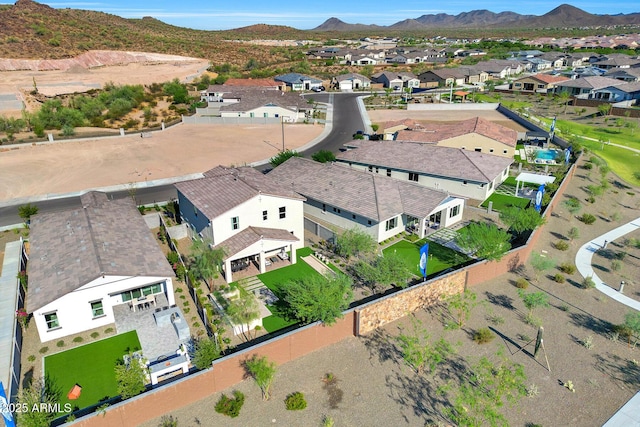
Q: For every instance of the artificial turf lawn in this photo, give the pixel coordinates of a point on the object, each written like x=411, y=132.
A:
x=440, y=257
x=274, y=322
x=501, y=201
x=91, y=366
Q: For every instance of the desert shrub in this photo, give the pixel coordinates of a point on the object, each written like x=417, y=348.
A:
x=168, y=421
x=559, y=278
x=43, y=350
x=483, y=336
x=567, y=268
x=522, y=283
x=108, y=330
x=60, y=343
x=616, y=265
x=561, y=245
x=78, y=339
x=95, y=335
x=31, y=358
x=295, y=401
x=587, y=218
x=588, y=283
x=588, y=166
x=228, y=406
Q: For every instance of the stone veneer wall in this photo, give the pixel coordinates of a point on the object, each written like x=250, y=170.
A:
x=398, y=305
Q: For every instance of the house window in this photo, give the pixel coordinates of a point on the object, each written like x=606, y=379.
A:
x=283, y=212
x=478, y=150
x=454, y=211
x=413, y=176
x=369, y=222
x=52, y=320
x=353, y=216
x=264, y=215
x=391, y=224
x=324, y=207
x=377, y=169
x=195, y=211
x=235, y=223
x=504, y=151
x=96, y=309
x=370, y=168
x=388, y=172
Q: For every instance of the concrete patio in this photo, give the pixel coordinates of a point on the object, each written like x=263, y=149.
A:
x=155, y=340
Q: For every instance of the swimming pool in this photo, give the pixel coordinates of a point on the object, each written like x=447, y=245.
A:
x=547, y=154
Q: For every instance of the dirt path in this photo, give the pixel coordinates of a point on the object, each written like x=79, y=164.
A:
x=180, y=150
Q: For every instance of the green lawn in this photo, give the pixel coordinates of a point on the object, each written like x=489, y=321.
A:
x=500, y=201
x=624, y=163
x=274, y=322
x=92, y=367
x=440, y=257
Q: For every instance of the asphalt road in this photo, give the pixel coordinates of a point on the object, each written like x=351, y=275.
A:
x=346, y=121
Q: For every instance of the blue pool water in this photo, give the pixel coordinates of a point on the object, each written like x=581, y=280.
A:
x=548, y=154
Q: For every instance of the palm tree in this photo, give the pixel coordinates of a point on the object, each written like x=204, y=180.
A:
x=243, y=310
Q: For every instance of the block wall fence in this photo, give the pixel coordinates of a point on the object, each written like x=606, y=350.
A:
x=229, y=371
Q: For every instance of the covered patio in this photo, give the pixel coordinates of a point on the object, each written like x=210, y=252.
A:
x=532, y=178
x=255, y=249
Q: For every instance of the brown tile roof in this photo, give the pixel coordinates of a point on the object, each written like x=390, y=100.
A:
x=446, y=162
x=372, y=196
x=255, y=98
x=72, y=247
x=252, y=235
x=548, y=78
x=224, y=188
x=404, y=124
x=443, y=131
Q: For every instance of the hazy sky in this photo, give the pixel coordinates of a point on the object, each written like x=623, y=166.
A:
x=222, y=15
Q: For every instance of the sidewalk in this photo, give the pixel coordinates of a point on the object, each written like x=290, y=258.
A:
x=585, y=254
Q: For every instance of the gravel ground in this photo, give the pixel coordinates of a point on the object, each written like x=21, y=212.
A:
x=376, y=388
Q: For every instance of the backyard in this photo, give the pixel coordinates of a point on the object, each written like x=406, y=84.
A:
x=91, y=366
x=440, y=257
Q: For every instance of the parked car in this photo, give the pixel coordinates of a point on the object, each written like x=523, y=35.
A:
x=318, y=89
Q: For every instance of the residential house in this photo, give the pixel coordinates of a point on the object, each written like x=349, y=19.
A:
x=250, y=215
x=536, y=65
x=475, y=134
x=85, y=261
x=396, y=80
x=500, y=69
x=442, y=77
x=615, y=61
x=288, y=106
x=350, y=81
x=580, y=72
x=298, y=82
x=263, y=84
x=538, y=83
x=624, y=74
x=586, y=87
x=461, y=173
x=525, y=54
x=473, y=52
x=340, y=198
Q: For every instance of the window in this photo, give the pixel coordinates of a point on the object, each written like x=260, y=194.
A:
x=283, y=212
x=235, y=223
x=454, y=211
x=478, y=150
x=353, y=216
x=370, y=168
x=195, y=211
x=324, y=207
x=264, y=215
x=391, y=224
x=388, y=172
x=413, y=176
x=52, y=320
x=369, y=222
x=377, y=169
x=464, y=182
x=97, y=309
x=491, y=150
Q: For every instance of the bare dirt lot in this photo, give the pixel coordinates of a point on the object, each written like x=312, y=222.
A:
x=180, y=150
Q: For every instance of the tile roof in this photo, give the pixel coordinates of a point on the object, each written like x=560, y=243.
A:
x=372, y=196
x=72, y=247
x=256, y=98
x=437, y=132
x=547, y=78
x=262, y=83
x=252, y=235
x=224, y=188
x=446, y=162
x=352, y=76
x=296, y=78
x=591, y=82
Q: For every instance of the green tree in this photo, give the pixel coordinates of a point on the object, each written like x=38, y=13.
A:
x=243, y=310
x=26, y=212
x=564, y=99
x=323, y=156
x=573, y=205
x=206, y=351
x=484, y=240
x=177, y=91
x=604, y=109
x=131, y=376
x=419, y=352
x=263, y=372
x=383, y=271
x=632, y=324
x=282, y=157
x=520, y=220
x=573, y=233
x=206, y=260
x=534, y=300
x=317, y=298
x=540, y=264
x=460, y=306
x=40, y=391
x=355, y=242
